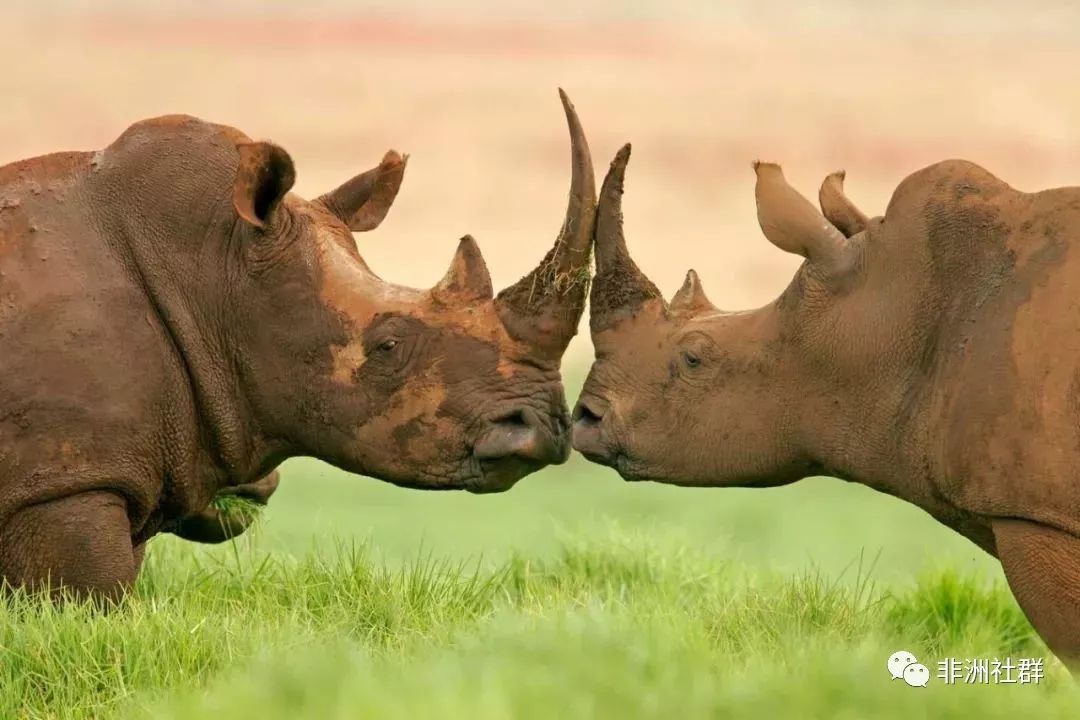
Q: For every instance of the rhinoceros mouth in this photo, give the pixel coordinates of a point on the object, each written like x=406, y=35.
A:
x=500, y=474
x=608, y=454
x=513, y=444
x=631, y=470
x=496, y=476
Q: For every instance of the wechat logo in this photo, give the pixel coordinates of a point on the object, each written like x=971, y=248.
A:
x=904, y=666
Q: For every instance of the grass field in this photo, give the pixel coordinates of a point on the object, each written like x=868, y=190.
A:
x=574, y=595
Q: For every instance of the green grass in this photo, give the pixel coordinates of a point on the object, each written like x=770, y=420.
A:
x=574, y=595
x=237, y=507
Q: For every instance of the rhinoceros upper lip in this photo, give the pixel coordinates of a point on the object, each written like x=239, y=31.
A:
x=604, y=450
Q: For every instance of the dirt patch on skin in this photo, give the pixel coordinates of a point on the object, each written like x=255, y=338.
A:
x=347, y=361
x=442, y=357
x=991, y=249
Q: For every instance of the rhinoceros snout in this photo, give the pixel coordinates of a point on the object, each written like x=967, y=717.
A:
x=587, y=435
x=521, y=434
x=516, y=444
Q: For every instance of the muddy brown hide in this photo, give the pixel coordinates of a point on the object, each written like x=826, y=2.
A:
x=930, y=353
x=176, y=323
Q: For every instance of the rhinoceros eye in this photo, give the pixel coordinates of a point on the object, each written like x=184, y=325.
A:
x=691, y=360
x=388, y=345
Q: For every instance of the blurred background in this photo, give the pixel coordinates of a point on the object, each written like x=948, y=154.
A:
x=468, y=88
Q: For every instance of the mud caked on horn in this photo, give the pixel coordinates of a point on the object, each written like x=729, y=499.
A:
x=619, y=287
x=544, y=307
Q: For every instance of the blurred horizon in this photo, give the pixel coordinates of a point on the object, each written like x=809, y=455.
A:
x=961, y=16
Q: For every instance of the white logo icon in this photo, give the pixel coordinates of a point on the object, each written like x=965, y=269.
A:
x=898, y=661
x=916, y=675
x=903, y=665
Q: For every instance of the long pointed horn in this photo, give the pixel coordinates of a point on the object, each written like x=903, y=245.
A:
x=544, y=307
x=619, y=286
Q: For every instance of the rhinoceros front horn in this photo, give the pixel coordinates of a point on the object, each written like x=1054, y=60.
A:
x=619, y=287
x=544, y=307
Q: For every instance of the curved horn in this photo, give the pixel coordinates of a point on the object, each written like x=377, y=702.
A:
x=691, y=299
x=544, y=307
x=619, y=286
x=467, y=280
x=791, y=223
x=836, y=207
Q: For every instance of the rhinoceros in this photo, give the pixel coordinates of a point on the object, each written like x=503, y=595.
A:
x=932, y=353
x=176, y=323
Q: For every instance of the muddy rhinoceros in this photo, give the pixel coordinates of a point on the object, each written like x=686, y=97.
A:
x=932, y=353
x=175, y=323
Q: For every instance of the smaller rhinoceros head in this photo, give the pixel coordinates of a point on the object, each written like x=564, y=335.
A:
x=685, y=393
x=447, y=387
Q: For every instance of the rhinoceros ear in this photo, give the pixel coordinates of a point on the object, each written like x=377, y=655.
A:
x=265, y=174
x=792, y=224
x=836, y=207
x=363, y=202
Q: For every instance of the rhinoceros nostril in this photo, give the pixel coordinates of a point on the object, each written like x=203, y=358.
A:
x=512, y=418
x=589, y=436
x=586, y=414
x=519, y=433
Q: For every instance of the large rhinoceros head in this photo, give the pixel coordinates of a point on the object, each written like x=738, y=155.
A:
x=448, y=387
x=685, y=393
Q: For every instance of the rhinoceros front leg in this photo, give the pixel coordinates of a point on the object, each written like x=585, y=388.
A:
x=78, y=545
x=213, y=526
x=1042, y=566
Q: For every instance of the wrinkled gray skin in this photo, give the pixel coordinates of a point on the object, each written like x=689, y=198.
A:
x=932, y=353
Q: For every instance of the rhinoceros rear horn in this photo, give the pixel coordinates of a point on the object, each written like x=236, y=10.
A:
x=619, y=287
x=467, y=280
x=263, y=177
x=691, y=299
x=792, y=224
x=836, y=207
x=363, y=202
x=544, y=307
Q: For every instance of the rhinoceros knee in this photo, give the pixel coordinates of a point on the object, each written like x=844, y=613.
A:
x=76, y=546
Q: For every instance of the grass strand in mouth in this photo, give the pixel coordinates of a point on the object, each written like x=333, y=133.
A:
x=244, y=511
